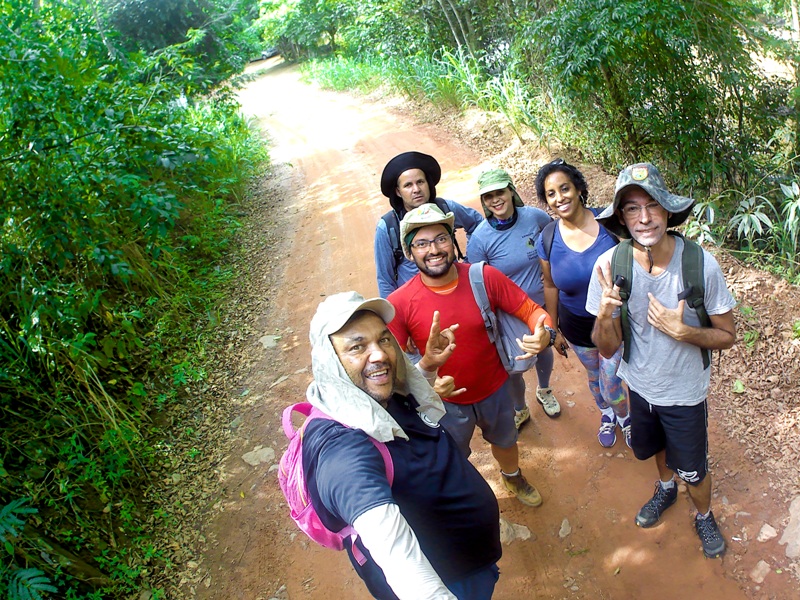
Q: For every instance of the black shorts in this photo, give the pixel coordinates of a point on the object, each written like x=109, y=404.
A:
x=680, y=430
x=576, y=328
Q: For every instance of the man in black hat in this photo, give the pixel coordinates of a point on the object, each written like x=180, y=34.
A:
x=666, y=338
x=409, y=180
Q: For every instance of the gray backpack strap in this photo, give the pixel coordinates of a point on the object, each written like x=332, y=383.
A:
x=393, y=228
x=502, y=328
x=442, y=204
x=692, y=264
x=622, y=264
x=548, y=235
x=482, y=300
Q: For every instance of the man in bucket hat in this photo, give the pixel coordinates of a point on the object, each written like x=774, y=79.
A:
x=409, y=180
x=443, y=285
x=665, y=371
x=433, y=531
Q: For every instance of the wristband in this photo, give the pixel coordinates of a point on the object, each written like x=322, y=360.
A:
x=552, y=333
x=430, y=376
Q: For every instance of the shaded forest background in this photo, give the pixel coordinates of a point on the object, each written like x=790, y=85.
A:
x=124, y=158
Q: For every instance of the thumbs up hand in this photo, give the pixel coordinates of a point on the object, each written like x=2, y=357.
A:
x=535, y=342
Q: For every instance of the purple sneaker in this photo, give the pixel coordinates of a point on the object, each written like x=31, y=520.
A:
x=625, y=425
x=607, y=434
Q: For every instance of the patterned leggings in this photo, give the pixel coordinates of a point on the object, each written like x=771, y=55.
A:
x=544, y=367
x=604, y=384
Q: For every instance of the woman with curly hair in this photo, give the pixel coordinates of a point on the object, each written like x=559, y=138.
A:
x=567, y=251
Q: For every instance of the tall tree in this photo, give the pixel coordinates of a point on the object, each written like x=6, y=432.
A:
x=668, y=76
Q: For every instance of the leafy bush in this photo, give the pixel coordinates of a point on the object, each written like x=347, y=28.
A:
x=343, y=74
x=670, y=80
x=673, y=82
x=116, y=214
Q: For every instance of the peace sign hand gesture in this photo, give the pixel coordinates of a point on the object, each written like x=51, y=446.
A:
x=610, y=300
x=440, y=345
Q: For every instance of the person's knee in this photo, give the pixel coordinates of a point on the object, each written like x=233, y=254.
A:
x=693, y=478
x=617, y=400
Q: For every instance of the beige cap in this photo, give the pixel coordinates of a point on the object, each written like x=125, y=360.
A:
x=422, y=216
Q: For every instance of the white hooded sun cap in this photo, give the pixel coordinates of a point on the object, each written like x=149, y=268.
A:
x=336, y=310
x=334, y=393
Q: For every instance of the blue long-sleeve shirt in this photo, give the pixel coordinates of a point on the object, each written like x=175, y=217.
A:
x=465, y=218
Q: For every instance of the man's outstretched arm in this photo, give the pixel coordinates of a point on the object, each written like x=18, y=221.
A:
x=394, y=546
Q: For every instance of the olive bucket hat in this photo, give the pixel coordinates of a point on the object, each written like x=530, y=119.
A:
x=422, y=216
x=496, y=179
x=647, y=177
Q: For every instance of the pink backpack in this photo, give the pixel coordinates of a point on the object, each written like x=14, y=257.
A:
x=293, y=482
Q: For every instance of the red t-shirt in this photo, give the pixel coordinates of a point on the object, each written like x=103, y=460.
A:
x=474, y=364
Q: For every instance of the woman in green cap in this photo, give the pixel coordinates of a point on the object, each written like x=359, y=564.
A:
x=506, y=240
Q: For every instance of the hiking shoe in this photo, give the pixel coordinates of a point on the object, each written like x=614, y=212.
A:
x=524, y=491
x=625, y=425
x=607, y=434
x=662, y=499
x=548, y=401
x=711, y=538
x=521, y=417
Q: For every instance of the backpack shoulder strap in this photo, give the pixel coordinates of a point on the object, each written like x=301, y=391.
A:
x=387, y=459
x=611, y=234
x=481, y=298
x=694, y=288
x=393, y=228
x=622, y=264
x=303, y=408
x=442, y=204
x=548, y=235
x=311, y=412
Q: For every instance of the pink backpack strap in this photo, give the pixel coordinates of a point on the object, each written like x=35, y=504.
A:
x=311, y=412
x=358, y=555
x=304, y=408
x=387, y=459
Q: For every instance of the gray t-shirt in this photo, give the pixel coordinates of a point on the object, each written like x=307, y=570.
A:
x=513, y=250
x=664, y=371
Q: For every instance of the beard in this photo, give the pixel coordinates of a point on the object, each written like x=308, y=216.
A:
x=439, y=270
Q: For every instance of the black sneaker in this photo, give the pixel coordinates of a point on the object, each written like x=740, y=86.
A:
x=708, y=531
x=662, y=499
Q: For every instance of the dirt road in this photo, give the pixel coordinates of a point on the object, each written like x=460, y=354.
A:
x=328, y=151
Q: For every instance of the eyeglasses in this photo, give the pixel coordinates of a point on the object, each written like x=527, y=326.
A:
x=632, y=211
x=442, y=241
x=557, y=162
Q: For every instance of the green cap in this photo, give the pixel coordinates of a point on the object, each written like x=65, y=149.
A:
x=496, y=179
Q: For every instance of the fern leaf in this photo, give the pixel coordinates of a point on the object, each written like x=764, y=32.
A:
x=26, y=584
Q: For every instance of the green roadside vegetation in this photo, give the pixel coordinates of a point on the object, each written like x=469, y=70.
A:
x=706, y=90
x=123, y=158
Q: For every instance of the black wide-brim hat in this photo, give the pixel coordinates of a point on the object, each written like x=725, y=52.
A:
x=647, y=177
x=402, y=163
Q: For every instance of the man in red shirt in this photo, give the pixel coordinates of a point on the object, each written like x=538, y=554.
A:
x=482, y=395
